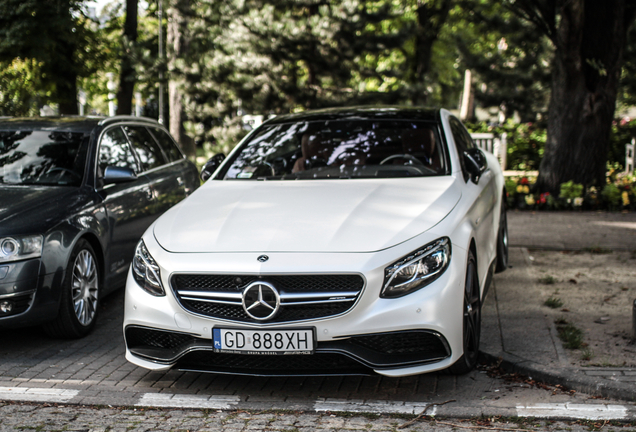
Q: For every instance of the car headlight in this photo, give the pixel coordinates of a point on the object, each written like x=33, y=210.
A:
x=19, y=248
x=417, y=270
x=146, y=271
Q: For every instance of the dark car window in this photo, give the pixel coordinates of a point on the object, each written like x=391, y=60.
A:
x=42, y=157
x=340, y=149
x=147, y=149
x=114, y=150
x=463, y=142
x=167, y=144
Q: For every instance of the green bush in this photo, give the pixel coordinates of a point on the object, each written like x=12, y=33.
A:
x=525, y=142
x=612, y=195
x=622, y=133
x=571, y=190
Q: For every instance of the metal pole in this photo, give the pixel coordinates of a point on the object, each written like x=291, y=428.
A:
x=161, y=58
x=634, y=321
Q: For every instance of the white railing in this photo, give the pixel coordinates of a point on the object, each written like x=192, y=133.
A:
x=629, y=157
x=493, y=144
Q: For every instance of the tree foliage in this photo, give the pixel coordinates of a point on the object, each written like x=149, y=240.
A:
x=59, y=36
x=234, y=57
x=21, y=88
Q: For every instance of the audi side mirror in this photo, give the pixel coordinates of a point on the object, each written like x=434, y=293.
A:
x=475, y=163
x=115, y=174
x=211, y=165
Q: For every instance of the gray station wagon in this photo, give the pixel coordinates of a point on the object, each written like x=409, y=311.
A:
x=76, y=194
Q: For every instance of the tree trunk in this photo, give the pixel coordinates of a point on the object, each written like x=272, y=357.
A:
x=66, y=91
x=589, y=43
x=65, y=77
x=177, y=49
x=431, y=17
x=127, y=76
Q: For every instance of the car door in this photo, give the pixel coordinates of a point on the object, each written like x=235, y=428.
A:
x=184, y=171
x=165, y=180
x=481, y=213
x=126, y=204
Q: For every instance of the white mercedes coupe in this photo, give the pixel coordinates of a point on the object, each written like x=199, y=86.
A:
x=331, y=242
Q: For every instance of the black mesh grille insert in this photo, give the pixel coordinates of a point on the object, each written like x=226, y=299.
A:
x=316, y=364
x=286, y=314
x=403, y=343
x=286, y=283
x=143, y=338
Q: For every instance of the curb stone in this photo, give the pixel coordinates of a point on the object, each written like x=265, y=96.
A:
x=566, y=377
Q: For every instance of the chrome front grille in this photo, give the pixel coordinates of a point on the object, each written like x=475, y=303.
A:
x=302, y=297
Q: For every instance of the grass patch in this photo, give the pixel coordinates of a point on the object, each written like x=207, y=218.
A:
x=587, y=354
x=553, y=302
x=571, y=335
x=548, y=280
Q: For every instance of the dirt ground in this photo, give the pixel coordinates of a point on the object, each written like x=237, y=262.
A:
x=597, y=289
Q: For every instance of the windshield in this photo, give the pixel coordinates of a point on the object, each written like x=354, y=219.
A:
x=42, y=157
x=339, y=149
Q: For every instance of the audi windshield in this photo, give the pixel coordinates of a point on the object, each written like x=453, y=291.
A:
x=42, y=158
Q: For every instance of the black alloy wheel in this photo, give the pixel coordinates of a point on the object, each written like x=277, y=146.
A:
x=471, y=320
x=502, y=239
x=80, y=295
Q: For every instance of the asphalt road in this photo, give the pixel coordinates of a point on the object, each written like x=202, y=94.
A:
x=21, y=417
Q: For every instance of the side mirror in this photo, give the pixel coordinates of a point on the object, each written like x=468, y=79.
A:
x=211, y=165
x=475, y=163
x=114, y=174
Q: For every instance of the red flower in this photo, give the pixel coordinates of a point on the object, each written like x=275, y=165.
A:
x=524, y=180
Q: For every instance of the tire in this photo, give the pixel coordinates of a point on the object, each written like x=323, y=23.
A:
x=471, y=321
x=502, y=241
x=80, y=295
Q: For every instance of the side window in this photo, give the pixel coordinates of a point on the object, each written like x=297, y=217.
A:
x=463, y=142
x=114, y=150
x=147, y=149
x=167, y=144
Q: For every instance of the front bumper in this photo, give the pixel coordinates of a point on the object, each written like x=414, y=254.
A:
x=361, y=354
x=32, y=298
x=420, y=332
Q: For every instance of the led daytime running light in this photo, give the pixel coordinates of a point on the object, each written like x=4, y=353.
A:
x=146, y=271
x=418, y=269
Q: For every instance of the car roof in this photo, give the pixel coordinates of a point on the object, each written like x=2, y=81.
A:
x=380, y=112
x=66, y=123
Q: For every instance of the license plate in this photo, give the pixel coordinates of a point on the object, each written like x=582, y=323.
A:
x=240, y=341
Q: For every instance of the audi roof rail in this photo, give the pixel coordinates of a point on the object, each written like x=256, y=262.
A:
x=117, y=118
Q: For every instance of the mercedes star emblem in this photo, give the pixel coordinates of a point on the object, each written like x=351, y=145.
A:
x=261, y=301
x=262, y=258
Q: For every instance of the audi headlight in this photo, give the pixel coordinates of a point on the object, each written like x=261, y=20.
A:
x=146, y=271
x=19, y=248
x=417, y=270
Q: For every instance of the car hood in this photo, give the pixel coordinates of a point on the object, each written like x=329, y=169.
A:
x=306, y=216
x=34, y=209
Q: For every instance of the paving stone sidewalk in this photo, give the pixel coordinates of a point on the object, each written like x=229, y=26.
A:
x=514, y=327
x=93, y=371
